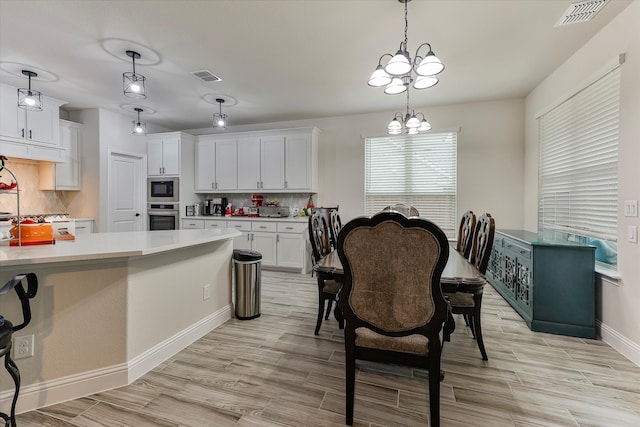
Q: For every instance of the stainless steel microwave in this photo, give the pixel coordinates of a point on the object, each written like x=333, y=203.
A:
x=163, y=190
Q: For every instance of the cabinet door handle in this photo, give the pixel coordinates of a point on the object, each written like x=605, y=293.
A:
x=248, y=238
x=213, y=185
x=523, y=252
x=285, y=184
x=30, y=135
x=252, y=237
x=23, y=132
x=263, y=226
x=288, y=228
x=277, y=238
x=257, y=184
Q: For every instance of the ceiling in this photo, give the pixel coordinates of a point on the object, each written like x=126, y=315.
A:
x=281, y=59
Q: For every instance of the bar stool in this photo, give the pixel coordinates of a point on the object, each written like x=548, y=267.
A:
x=6, y=333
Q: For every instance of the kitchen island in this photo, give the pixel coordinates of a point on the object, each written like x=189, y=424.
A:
x=111, y=306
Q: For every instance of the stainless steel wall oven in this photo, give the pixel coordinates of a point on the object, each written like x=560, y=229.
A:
x=163, y=216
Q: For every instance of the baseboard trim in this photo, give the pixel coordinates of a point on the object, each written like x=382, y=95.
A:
x=47, y=393
x=143, y=363
x=620, y=343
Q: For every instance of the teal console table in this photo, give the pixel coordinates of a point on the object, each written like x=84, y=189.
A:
x=550, y=283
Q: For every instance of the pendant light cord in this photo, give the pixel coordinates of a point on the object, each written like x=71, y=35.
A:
x=406, y=27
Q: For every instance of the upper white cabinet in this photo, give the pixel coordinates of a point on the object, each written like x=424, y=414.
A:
x=66, y=175
x=163, y=154
x=216, y=164
x=29, y=134
x=267, y=161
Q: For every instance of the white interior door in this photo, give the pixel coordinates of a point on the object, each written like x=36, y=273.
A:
x=126, y=193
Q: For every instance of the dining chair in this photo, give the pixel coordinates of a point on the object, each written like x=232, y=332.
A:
x=335, y=225
x=467, y=300
x=320, y=247
x=403, y=209
x=465, y=233
x=391, y=300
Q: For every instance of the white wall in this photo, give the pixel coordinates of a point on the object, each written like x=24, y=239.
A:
x=490, y=156
x=103, y=131
x=617, y=303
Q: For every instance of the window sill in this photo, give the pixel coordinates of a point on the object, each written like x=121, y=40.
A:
x=608, y=274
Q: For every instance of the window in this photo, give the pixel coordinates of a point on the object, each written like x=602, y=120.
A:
x=417, y=171
x=579, y=168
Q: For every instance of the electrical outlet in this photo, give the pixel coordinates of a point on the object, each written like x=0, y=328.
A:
x=206, y=292
x=23, y=347
x=632, y=234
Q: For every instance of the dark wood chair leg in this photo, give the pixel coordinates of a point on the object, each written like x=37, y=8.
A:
x=329, y=305
x=477, y=327
x=434, y=385
x=350, y=368
x=320, y=311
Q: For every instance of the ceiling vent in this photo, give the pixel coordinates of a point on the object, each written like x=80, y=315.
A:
x=580, y=12
x=206, y=76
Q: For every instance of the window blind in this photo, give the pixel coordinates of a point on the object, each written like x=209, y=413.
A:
x=579, y=162
x=417, y=171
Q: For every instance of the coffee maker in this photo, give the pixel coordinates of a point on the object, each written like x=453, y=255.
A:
x=215, y=206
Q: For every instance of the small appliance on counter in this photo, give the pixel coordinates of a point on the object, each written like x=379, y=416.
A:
x=215, y=206
x=274, y=211
x=32, y=233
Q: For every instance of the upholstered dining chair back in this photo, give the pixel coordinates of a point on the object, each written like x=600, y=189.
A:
x=465, y=233
x=391, y=298
x=483, y=242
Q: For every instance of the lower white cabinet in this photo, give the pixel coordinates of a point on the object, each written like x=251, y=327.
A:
x=283, y=244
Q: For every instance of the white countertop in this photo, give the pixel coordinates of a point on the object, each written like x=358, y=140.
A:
x=304, y=219
x=111, y=245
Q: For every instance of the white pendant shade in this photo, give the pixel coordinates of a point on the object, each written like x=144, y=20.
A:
x=412, y=131
x=424, y=126
x=395, y=87
x=394, y=125
x=379, y=77
x=394, y=131
x=399, y=65
x=423, y=82
x=430, y=65
x=413, y=122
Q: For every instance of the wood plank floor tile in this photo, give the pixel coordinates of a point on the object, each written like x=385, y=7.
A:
x=273, y=371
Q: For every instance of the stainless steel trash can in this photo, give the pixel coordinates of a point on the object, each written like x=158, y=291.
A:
x=247, y=265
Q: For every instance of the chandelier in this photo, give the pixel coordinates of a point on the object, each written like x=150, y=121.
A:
x=410, y=122
x=396, y=75
x=219, y=119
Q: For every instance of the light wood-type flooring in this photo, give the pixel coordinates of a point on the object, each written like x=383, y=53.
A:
x=272, y=371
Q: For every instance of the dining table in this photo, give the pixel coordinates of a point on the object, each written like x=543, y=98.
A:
x=458, y=275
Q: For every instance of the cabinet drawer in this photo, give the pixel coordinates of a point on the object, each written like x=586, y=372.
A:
x=239, y=225
x=290, y=227
x=192, y=223
x=518, y=249
x=208, y=223
x=269, y=227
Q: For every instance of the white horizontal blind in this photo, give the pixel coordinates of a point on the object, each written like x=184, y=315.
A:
x=579, y=162
x=417, y=171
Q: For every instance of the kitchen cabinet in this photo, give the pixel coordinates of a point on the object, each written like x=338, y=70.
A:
x=216, y=165
x=265, y=161
x=29, y=134
x=66, y=175
x=549, y=283
x=163, y=154
x=283, y=244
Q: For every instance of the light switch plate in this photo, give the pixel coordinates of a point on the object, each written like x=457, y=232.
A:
x=632, y=234
x=631, y=208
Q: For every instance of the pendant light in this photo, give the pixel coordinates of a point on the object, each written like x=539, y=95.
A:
x=27, y=98
x=133, y=83
x=219, y=119
x=138, y=127
x=409, y=122
x=396, y=74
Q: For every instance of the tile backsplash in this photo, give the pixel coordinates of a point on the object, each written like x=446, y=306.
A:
x=32, y=199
